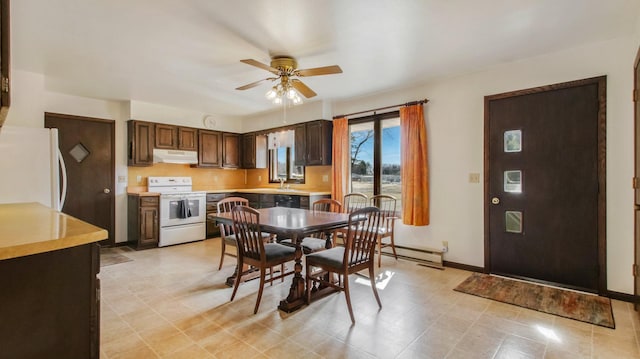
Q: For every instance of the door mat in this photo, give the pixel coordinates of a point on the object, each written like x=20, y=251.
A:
x=111, y=256
x=564, y=303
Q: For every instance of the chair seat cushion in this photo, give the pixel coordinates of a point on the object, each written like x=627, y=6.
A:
x=331, y=258
x=276, y=252
x=309, y=244
x=231, y=239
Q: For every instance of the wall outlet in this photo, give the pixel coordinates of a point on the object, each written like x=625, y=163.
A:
x=474, y=178
x=215, y=178
x=325, y=178
x=445, y=246
x=259, y=178
x=139, y=179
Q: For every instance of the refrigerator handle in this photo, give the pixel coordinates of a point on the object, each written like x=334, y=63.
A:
x=63, y=167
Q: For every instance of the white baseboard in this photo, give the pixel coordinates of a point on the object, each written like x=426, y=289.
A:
x=424, y=256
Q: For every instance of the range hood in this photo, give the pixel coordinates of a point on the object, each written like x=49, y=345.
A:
x=175, y=156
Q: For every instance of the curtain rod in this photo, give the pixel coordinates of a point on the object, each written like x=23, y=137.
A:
x=420, y=102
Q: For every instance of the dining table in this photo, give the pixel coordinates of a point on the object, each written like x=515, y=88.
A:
x=293, y=223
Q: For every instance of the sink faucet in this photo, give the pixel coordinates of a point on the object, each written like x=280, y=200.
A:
x=281, y=183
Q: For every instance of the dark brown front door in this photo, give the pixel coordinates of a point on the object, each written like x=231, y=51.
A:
x=87, y=146
x=545, y=184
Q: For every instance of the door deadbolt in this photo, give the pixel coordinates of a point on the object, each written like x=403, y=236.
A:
x=495, y=200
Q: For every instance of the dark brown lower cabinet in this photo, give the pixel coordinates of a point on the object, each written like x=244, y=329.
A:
x=144, y=216
x=50, y=304
x=212, y=208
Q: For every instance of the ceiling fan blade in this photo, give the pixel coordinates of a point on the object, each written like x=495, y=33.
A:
x=258, y=64
x=254, y=84
x=302, y=88
x=316, y=71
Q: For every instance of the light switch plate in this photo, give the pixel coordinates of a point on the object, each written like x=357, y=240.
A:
x=325, y=178
x=474, y=178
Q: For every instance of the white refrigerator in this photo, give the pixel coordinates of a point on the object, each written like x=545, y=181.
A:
x=31, y=166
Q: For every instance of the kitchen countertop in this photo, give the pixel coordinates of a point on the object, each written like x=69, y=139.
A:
x=144, y=194
x=32, y=228
x=265, y=190
x=271, y=190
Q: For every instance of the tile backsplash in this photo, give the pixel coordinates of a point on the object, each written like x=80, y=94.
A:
x=215, y=178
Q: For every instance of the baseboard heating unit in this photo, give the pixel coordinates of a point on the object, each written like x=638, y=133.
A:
x=429, y=257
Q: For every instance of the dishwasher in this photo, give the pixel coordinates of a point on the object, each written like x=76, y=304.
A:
x=283, y=200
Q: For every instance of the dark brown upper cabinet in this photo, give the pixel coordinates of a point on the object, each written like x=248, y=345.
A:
x=319, y=138
x=166, y=136
x=300, y=145
x=187, y=138
x=209, y=148
x=172, y=137
x=5, y=85
x=248, y=150
x=140, y=140
x=230, y=150
x=313, y=143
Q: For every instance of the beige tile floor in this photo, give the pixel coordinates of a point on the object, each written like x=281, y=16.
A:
x=172, y=303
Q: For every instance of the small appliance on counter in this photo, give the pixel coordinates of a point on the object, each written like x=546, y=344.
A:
x=182, y=211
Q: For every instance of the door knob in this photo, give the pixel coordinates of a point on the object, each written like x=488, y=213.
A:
x=495, y=200
x=106, y=190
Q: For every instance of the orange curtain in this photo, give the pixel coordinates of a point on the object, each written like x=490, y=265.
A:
x=340, y=158
x=415, y=166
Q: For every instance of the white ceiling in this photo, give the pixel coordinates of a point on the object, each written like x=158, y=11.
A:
x=185, y=53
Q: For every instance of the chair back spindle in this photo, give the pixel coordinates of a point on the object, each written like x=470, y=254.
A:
x=226, y=205
x=362, y=236
x=327, y=205
x=246, y=222
x=354, y=201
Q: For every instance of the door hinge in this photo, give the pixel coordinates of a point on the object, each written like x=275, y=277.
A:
x=634, y=270
x=5, y=84
x=635, y=95
x=635, y=182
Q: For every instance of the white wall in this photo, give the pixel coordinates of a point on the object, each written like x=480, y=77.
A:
x=171, y=115
x=285, y=116
x=30, y=100
x=455, y=118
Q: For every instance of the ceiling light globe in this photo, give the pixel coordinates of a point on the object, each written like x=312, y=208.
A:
x=277, y=100
x=291, y=94
x=271, y=94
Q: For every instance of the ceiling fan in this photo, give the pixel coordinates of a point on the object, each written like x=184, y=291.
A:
x=285, y=67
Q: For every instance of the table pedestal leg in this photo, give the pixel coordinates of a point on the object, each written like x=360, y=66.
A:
x=296, y=297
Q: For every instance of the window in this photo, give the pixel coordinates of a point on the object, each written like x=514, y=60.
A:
x=281, y=155
x=375, y=155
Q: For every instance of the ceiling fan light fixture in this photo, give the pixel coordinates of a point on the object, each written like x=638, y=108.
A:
x=282, y=92
x=288, y=89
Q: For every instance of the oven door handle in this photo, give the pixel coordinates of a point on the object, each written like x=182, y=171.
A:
x=183, y=196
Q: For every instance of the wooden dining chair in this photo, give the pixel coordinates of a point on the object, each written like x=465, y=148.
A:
x=227, y=234
x=253, y=251
x=318, y=241
x=357, y=254
x=387, y=206
x=352, y=202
